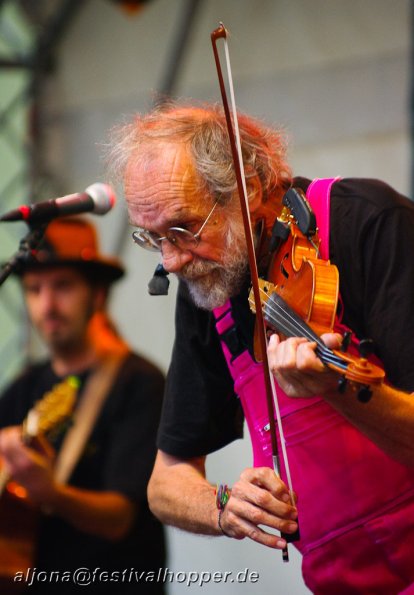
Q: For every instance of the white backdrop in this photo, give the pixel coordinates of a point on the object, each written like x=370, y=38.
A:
x=335, y=73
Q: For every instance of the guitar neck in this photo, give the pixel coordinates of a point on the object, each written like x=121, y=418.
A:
x=47, y=414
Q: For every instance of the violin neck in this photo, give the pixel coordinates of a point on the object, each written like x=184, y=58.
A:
x=280, y=317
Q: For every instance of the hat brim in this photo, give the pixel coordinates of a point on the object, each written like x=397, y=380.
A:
x=105, y=270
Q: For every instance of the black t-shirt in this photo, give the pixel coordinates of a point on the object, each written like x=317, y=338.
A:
x=119, y=456
x=372, y=244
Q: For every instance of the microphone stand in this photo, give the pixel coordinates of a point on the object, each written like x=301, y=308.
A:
x=28, y=244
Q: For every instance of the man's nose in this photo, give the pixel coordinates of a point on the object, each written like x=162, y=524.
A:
x=173, y=258
x=47, y=299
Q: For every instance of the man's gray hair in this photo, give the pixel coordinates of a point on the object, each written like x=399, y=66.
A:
x=203, y=129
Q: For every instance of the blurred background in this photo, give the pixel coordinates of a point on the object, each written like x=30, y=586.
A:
x=335, y=74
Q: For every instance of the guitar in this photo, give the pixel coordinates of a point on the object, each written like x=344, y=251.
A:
x=18, y=516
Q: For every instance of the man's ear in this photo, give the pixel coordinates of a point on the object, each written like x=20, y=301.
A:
x=254, y=193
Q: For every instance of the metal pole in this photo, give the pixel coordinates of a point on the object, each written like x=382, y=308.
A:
x=168, y=82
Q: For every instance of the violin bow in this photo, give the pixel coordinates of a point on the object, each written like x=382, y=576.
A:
x=235, y=144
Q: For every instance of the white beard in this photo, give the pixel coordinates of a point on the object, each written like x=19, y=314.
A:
x=211, y=284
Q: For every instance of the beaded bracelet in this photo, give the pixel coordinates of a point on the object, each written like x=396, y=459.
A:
x=222, y=497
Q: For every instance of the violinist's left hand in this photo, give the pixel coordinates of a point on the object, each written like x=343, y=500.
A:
x=298, y=370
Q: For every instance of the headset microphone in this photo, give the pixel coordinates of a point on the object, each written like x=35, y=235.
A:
x=159, y=283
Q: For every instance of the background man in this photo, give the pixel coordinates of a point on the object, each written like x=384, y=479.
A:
x=95, y=515
x=354, y=498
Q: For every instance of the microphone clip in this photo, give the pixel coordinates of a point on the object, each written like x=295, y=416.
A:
x=26, y=252
x=159, y=283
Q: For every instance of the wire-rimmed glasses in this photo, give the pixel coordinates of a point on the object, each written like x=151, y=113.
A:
x=178, y=236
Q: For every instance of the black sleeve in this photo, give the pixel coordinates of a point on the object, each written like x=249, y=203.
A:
x=131, y=417
x=21, y=394
x=120, y=453
x=10, y=409
x=201, y=412
x=372, y=242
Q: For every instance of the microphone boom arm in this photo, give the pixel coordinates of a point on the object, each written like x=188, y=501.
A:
x=28, y=244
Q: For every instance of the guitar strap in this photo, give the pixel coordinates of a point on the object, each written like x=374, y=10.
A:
x=96, y=390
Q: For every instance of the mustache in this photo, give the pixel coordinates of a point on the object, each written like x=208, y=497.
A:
x=198, y=268
x=53, y=317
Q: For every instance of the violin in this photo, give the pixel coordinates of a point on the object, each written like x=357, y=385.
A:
x=300, y=299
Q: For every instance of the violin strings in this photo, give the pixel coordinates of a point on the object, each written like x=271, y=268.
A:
x=282, y=323
x=290, y=317
x=289, y=323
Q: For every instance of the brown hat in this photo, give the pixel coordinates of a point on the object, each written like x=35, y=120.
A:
x=73, y=241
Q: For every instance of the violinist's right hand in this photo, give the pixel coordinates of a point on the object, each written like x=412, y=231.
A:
x=179, y=494
x=259, y=499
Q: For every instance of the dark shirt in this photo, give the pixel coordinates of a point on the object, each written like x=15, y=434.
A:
x=118, y=456
x=371, y=243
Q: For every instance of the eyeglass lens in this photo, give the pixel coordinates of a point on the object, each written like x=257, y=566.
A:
x=175, y=235
x=178, y=236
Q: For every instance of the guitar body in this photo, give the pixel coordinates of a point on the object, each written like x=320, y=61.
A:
x=19, y=518
x=19, y=521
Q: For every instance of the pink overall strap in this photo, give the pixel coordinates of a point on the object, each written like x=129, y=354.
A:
x=318, y=195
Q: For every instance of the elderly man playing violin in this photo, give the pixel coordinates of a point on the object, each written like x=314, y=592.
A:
x=357, y=532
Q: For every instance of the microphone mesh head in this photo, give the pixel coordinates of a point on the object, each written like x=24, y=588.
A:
x=103, y=197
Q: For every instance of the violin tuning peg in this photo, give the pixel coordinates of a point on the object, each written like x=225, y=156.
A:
x=342, y=384
x=364, y=394
x=366, y=347
x=346, y=341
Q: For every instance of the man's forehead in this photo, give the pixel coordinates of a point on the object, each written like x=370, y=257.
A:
x=162, y=161
x=51, y=273
x=163, y=180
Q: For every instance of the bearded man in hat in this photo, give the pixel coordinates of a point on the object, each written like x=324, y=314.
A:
x=89, y=478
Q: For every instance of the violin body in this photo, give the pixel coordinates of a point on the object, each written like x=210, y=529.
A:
x=307, y=283
x=300, y=299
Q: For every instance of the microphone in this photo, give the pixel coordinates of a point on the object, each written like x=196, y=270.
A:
x=98, y=198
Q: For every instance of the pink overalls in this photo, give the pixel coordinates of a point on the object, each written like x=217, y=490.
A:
x=356, y=505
